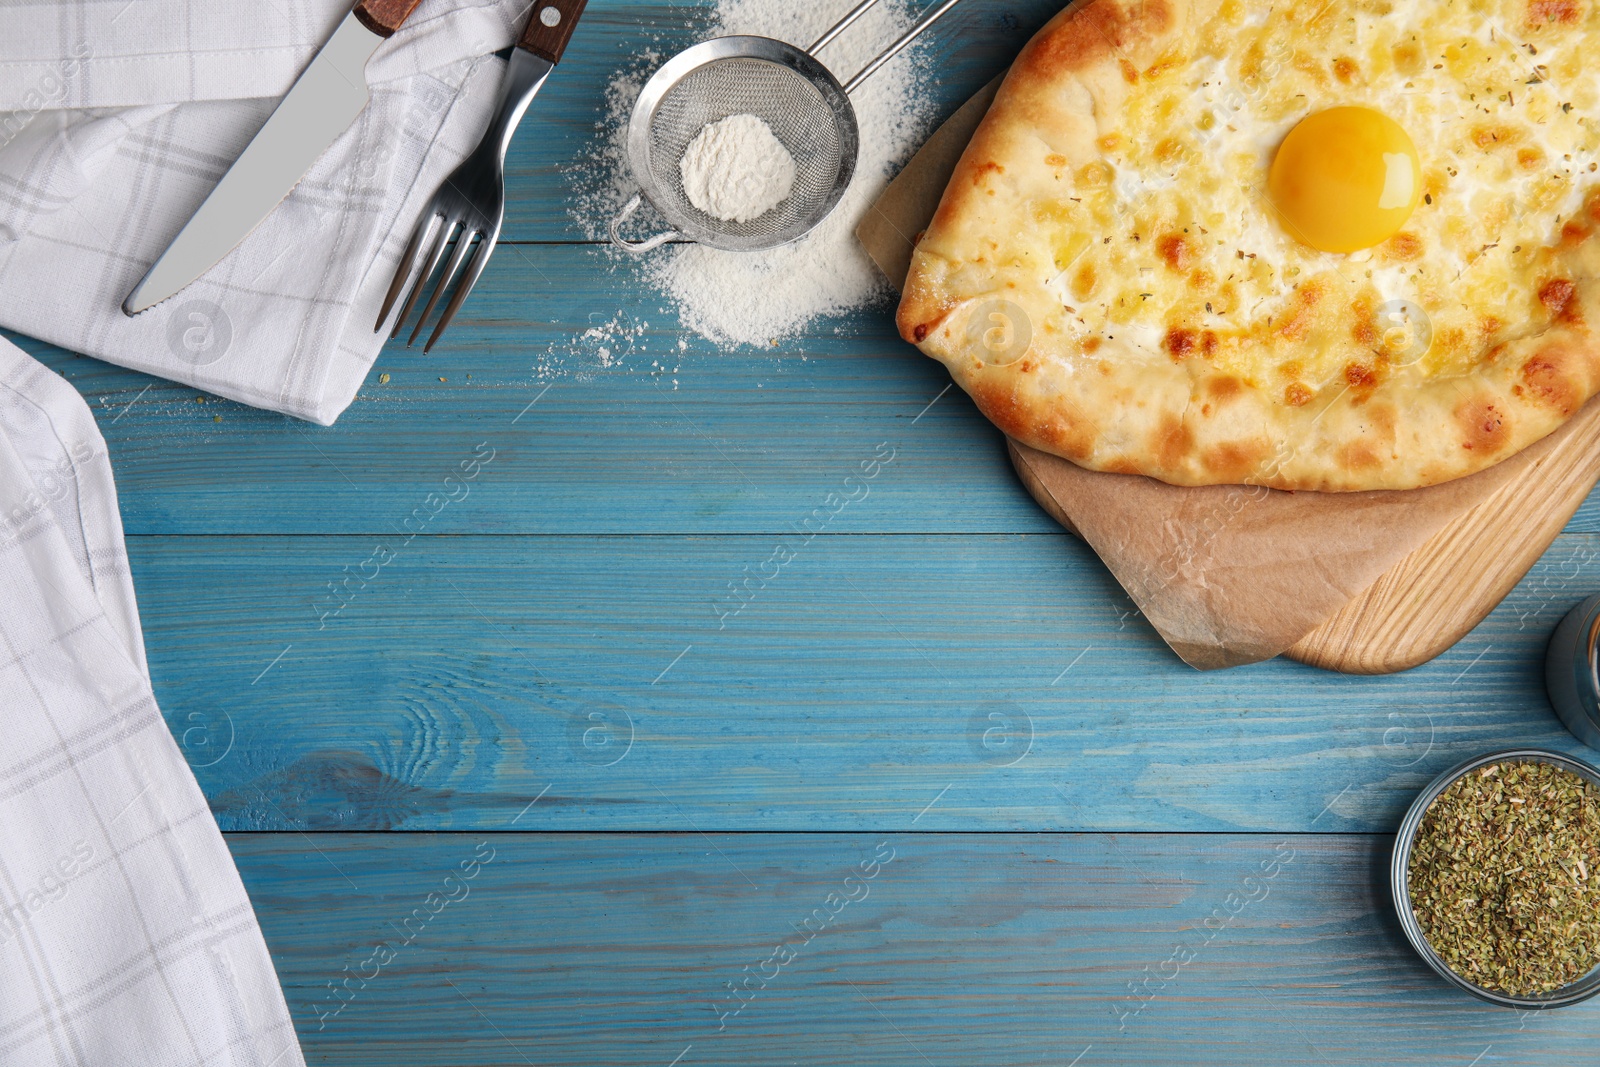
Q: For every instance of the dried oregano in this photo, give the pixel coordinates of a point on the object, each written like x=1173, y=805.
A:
x=1503, y=877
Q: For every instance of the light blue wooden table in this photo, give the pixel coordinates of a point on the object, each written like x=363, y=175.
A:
x=937, y=796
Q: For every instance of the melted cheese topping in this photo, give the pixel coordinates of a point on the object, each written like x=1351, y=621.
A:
x=1172, y=240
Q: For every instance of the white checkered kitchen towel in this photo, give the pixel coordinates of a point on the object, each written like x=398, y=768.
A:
x=117, y=117
x=125, y=935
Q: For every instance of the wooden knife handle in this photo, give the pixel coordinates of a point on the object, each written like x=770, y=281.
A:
x=550, y=27
x=383, y=17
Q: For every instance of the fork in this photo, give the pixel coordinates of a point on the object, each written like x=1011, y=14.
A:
x=471, y=204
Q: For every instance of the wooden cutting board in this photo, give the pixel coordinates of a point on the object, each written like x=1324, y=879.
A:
x=1415, y=609
x=1434, y=597
x=1442, y=590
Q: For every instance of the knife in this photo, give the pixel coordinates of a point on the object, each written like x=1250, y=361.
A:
x=323, y=103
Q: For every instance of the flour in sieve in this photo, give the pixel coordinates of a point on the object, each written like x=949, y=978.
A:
x=737, y=169
x=756, y=298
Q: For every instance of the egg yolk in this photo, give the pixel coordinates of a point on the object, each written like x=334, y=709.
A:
x=1346, y=179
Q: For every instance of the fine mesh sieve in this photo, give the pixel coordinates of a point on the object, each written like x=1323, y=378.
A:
x=787, y=88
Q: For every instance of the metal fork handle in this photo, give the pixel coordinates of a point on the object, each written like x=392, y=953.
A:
x=525, y=73
x=899, y=46
x=638, y=248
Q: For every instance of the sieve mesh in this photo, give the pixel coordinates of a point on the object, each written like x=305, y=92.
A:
x=800, y=117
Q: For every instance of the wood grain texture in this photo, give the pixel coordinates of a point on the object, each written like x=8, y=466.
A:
x=471, y=673
x=1441, y=591
x=459, y=688
x=1432, y=598
x=633, y=436
x=700, y=441
x=550, y=27
x=383, y=17
x=980, y=949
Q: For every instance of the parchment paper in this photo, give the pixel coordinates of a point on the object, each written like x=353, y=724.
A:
x=1226, y=574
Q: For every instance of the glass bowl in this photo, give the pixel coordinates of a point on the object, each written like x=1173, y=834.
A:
x=1399, y=881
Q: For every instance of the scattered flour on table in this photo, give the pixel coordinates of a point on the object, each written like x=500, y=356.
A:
x=737, y=169
x=756, y=298
x=596, y=349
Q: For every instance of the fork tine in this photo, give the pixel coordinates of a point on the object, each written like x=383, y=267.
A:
x=419, y=237
x=480, y=259
x=427, y=271
x=463, y=246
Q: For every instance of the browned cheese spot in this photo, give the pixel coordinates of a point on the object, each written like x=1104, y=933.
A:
x=1170, y=60
x=1174, y=251
x=1084, y=281
x=1557, y=297
x=1545, y=381
x=1454, y=342
x=1364, y=330
x=1233, y=461
x=981, y=172
x=1403, y=247
x=1096, y=174
x=1488, y=136
x=1358, y=456
x=1308, y=64
x=1408, y=57
x=1484, y=427
x=1179, y=343
x=1544, y=12
x=1298, y=321
x=1360, y=376
x=1385, y=418
x=1346, y=69
x=1224, y=387
x=1297, y=395
x=1174, y=442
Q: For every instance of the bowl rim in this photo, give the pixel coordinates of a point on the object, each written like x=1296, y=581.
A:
x=1399, y=878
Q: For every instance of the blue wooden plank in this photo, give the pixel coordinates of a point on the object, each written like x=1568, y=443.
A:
x=448, y=686
x=719, y=443
x=892, y=678
x=658, y=441
x=956, y=950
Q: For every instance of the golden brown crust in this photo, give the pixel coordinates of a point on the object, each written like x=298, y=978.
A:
x=1168, y=404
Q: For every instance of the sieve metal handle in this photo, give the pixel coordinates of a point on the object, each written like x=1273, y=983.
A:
x=893, y=50
x=638, y=248
x=842, y=25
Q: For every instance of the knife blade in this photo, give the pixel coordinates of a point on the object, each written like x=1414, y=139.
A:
x=322, y=104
